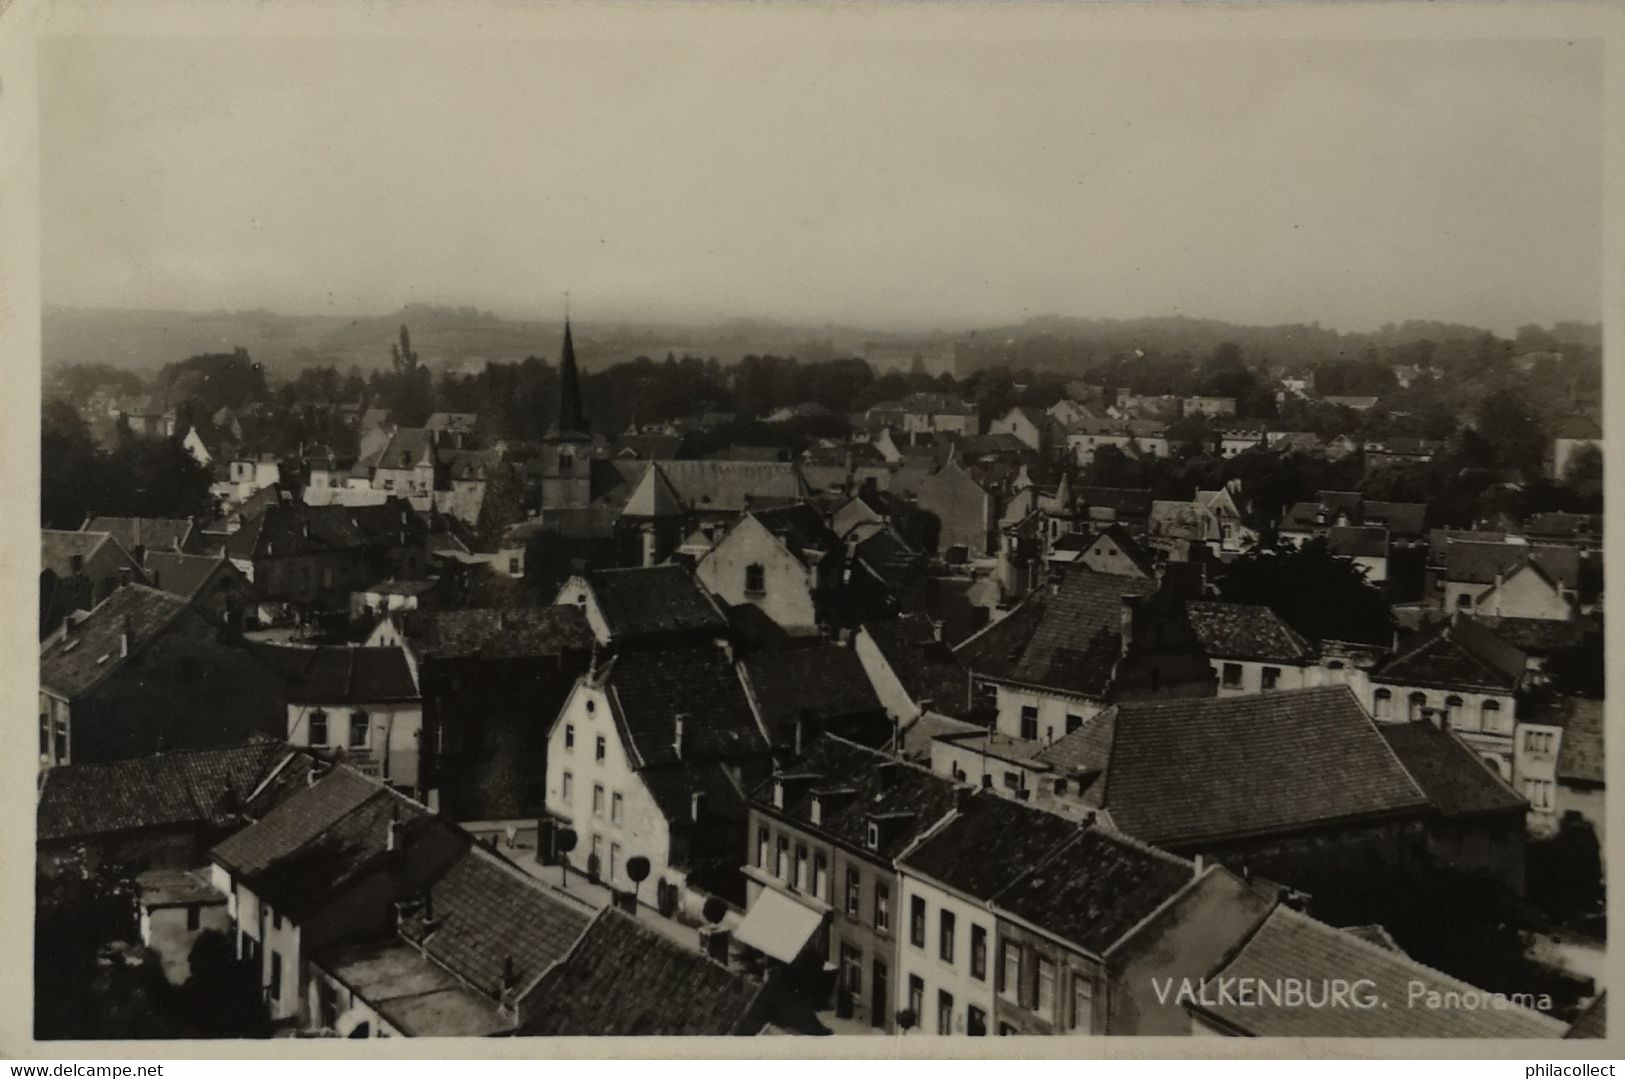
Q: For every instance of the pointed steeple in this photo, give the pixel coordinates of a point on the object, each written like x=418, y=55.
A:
x=570, y=420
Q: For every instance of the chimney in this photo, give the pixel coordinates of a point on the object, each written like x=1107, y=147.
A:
x=887, y=773
x=124, y=638
x=696, y=805
x=677, y=734
x=1199, y=864
x=716, y=943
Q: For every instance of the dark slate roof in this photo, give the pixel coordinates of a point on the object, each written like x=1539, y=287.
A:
x=1294, y=945
x=1245, y=631
x=1095, y=889
x=718, y=486
x=151, y=533
x=76, y=662
x=58, y=549
x=1478, y=563
x=1459, y=654
x=1357, y=541
x=654, y=601
x=337, y=674
x=1581, y=757
x=1128, y=546
x=497, y=633
x=1449, y=773
x=1182, y=771
x=1536, y=636
x=207, y=788
x=928, y=669
x=988, y=844
x=1067, y=639
x=320, y=839
x=486, y=911
x=858, y=783
x=182, y=574
x=624, y=979
x=650, y=690
x=296, y=528
x=407, y=448
x=826, y=681
x=1407, y=520
x=800, y=528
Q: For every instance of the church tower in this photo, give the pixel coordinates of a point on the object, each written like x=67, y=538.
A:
x=567, y=448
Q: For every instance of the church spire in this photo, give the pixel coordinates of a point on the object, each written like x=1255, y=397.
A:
x=570, y=418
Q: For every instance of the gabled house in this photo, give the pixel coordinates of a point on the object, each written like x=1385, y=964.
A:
x=325, y=866
x=1510, y=580
x=911, y=670
x=784, y=562
x=1038, y=430
x=210, y=583
x=822, y=889
x=408, y=463
x=1251, y=649
x=1047, y=666
x=1569, y=436
x=802, y=692
x=649, y=757
x=963, y=508
x=139, y=535
x=644, y=606
x=1364, y=545
x=79, y=570
x=317, y=554
x=144, y=672
x=1459, y=675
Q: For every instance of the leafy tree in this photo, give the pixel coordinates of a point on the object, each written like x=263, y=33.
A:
x=71, y=467
x=1583, y=472
x=1315, y=592
x=1505, y=420
x=223, y=990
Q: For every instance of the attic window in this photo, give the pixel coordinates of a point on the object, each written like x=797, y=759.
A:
x=871, y=838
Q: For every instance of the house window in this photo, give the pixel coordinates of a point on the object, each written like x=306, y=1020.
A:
x=1416, y=706
x=916, y=921
x=851, y=968
x=276, y=976
x=1539, y=793
x=882, y=906
x=755, y=580
x=614, y=860
x=945, y=936
x=1384, y=704
x=598, y=749
x=1009, y=970
x=1490, y=714
x=1083, y=1004
x=1073, y=722
x=761, y=848
x=276, y=919
x=1464, y=601
x=1272, y=678
x=820, y=881
x=1044, y=987
x=193, y=917
x=854, y=891
x=1029, y=722
x=358, y=730
x=975, y=1022
x=598, y=800
x=978, y=953
x=801, y=867
x=513, y=567
x=1537, y=742
x=568, y=789
x=1452, y=710
x=318, y=728
x=617, y=808
x=945, y=1012
x=916, y=996
x=569, y=736
x=1232, y=675
x=781, y=859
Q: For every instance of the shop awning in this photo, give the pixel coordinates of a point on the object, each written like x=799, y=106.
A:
x=778, y=926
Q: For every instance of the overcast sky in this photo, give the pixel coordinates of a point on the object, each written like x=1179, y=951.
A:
x=899, y=183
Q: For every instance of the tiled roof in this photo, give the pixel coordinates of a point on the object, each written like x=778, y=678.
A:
x=1581, y=757
x=151, y=533
x=408, y=448
x=416, y=996
x=1245, y=631
x=182, y=574
x=624, y=979
x=1536, y=636
x=187, y=787
x=1095, y=889
x=927, y=668
x=59, y=548
x=800, y=528
x=1293, y=945
x=1563, y=524
x=857, y=783
x=296, y=528
x=1182, y=771
x=825, y=681
x=485, y=912
x=673, y=787
x=1357, y=541
x=1407, y=520
x=497, y=633
x=1068, y=638
x=321, y=838
x=336, y=674
x=1449, y=773
x=1459, y=654
x=651, y=689
x=655, y=601
x=1479, y=563
x=987, y=845
x=728, y=486
x=75, y=662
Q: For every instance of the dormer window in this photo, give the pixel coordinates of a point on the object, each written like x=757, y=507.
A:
x=778, y=794
x=871, y=838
